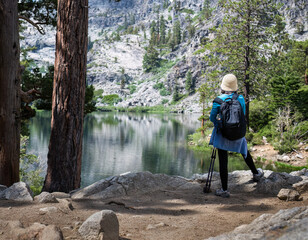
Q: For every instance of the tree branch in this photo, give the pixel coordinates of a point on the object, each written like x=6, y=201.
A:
x=38, y=27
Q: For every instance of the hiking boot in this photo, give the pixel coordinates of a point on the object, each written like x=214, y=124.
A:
x=222, y=193
x=257, y=177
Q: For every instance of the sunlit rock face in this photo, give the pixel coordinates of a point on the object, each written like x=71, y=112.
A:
x=110, y=61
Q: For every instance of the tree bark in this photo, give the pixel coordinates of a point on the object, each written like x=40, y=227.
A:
x=65, y=146
x=9, y=93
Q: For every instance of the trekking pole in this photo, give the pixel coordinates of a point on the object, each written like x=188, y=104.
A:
x=207, y=187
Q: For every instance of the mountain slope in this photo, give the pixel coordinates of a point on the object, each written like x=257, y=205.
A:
x=115, y=54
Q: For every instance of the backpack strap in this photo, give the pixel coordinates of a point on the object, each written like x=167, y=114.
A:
x=235, y=96
x=218, y=100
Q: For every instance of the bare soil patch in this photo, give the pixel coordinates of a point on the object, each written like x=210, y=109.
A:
x=296, y=158
x=163, y=215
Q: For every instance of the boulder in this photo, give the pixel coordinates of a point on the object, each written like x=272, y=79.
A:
x=19, y=192
x=301, y=186
x=101, y=225
x=285, y=224
x=45, y=197
x=133, y=183
x=289, y=195
x=2, y=187
x=273, y=183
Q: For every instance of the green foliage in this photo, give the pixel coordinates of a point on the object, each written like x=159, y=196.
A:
x=132, y=88
x=259, y=114
x=162, y=30
x=242, y=43
x=177, y=32
x=30, y=171
x=98, y=93
x=206, y=10
x=206, y=92
x=158, y=85
x=189, y=84
x=89, y=100
x=150, y=59
x=188, y=11
x=43, y=11
x=33, y=78
x=191, y=28
x=111, y=99
x=176, y=95
x=164, y=101
x=164, y=92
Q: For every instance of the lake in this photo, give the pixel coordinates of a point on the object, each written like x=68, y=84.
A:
x=116, y=143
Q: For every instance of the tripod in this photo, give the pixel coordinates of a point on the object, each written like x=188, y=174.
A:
x=207, y=187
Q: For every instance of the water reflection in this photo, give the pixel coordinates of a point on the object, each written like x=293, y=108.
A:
x=115, y=143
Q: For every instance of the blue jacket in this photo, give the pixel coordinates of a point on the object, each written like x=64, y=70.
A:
x=217, y=140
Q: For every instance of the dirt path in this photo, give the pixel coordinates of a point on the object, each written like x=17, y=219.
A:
x=163, y=215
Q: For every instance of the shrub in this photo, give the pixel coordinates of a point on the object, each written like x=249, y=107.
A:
x=164, y=92
x=159, y=85
x=30, y=170
x=164, y=101
x=259, y=115
x=132, y=88
x=188, y=11
x=111, y=99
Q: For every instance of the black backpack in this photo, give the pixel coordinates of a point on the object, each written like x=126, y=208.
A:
x=233, y=123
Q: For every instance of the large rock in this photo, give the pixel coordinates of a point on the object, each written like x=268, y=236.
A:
x=19, y=192
x=101, y=225
x=2, y=187
x=276, y=181
x=132, y=184
x=285, y=224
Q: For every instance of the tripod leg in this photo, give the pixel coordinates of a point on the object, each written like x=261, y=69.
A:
x=207, y=186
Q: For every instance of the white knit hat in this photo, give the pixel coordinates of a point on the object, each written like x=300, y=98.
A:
x=229, y=83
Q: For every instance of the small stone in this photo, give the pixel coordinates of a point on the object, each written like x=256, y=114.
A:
x=289, y=195
x=104, y=222
x=299, y=156
x=61, y=195
x=65, y=206
x=286, y=159
x=45, y=210
x=158, y=225
x=45, y=197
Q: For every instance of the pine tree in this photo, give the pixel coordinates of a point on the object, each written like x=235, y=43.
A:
x=242, y=41
x=122, y=78
x=191, y=28
x=162, y=30
x=206, y=11
x=150, y=59
x=188, y=83
x=177, y=32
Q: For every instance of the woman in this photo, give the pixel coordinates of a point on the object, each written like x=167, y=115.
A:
x=228, y=88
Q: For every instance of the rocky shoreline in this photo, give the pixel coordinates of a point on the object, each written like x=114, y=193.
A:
x=286, y=223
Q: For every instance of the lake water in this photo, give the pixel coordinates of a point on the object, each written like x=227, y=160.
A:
x=116, y=143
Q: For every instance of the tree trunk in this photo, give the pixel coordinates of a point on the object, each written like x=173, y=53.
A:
x=247, y=63
x=9, y=93
x=65, y=146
